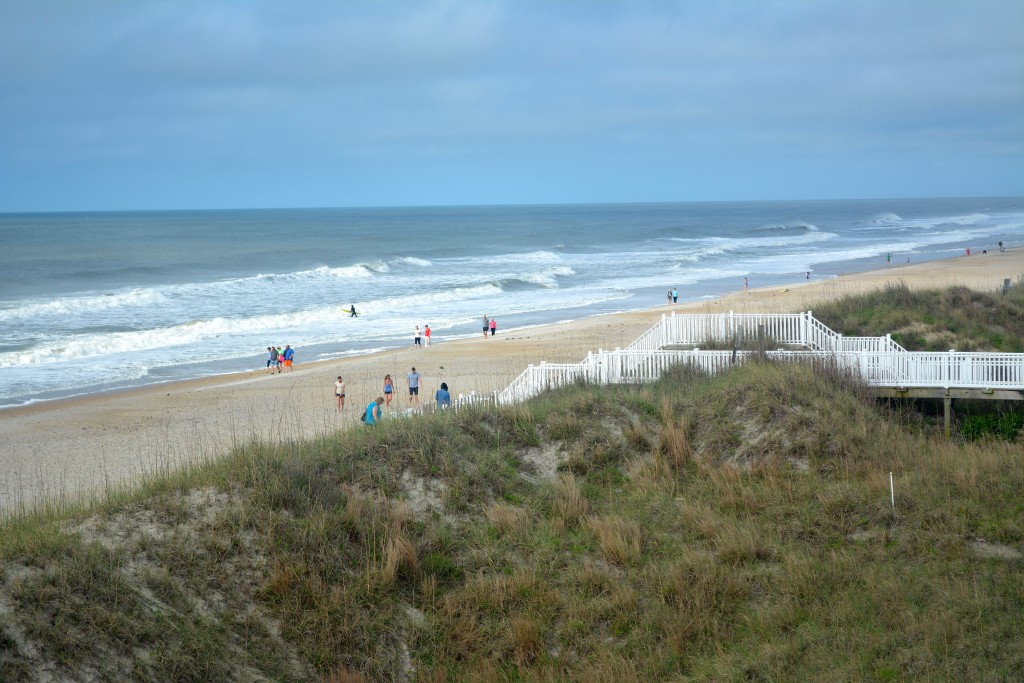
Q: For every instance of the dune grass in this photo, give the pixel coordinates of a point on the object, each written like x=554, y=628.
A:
x=933, y=320
x=736, y=527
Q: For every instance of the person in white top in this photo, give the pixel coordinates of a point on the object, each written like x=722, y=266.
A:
x=339, y=394
x=416, y=338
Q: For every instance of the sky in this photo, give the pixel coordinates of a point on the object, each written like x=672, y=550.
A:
x=135, y=104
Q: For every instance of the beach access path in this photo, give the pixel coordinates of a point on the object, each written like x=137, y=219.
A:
x=59, y=450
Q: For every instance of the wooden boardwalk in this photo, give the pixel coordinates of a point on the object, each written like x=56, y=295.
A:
x=879, y=361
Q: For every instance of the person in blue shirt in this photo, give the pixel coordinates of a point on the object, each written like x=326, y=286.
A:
x=444, y=399
x=373, y=411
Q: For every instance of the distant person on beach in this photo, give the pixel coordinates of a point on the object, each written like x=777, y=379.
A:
x=888, y=258
x=372, y=415
x=416, y=337
x=746, y=286
x=444, y=399
x=668, y=294
x=487, y=326
x=339, y=394
x=280, y=359
x=389, y=390
x=426, y=333
x=808, y=275
x=494, y=326
x=968, y=251
x=352, y=311
x=675, y=295
x=413, y=380
x=289, y=355
x=271, y=352
x=1001, y=247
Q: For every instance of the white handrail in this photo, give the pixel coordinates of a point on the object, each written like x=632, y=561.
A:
x=878, y=360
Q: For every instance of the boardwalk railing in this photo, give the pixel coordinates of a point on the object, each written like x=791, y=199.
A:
x=801, y=329
x=879, y=361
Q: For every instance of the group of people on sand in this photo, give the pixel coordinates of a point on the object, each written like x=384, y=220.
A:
x=278, y=358
x=417, y=339
x=490, y=325
x=374, y=409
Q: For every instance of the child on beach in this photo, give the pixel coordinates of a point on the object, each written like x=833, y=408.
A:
x=487, y=326
x=389, y=390
x=494, y=326
x=339, y=394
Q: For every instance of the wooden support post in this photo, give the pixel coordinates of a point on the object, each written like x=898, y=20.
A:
x=761, y=343
x=947, y=409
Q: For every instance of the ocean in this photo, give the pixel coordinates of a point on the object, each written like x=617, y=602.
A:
x=92, y=302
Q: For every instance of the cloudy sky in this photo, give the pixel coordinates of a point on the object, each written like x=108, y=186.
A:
x=132, y=104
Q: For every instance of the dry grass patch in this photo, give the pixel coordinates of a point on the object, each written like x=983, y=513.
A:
x=742, y=543
x=570, y=504
x=674, y=441
x=620, y=540
x=399, y=555
x=507, y=518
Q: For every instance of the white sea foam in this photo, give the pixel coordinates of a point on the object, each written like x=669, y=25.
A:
x=789, y=226
x=117, y=329
x=413, y=261
x=85, y=304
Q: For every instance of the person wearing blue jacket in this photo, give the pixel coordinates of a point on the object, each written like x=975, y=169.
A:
x=444, y=399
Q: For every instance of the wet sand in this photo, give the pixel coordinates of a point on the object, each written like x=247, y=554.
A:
x=57, y=450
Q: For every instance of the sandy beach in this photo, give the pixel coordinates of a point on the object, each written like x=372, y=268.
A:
x=55, y=451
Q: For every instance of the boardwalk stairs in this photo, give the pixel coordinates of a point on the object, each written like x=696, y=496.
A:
x=879, y=361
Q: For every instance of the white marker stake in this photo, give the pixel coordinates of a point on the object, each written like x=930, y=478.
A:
x=892, y=492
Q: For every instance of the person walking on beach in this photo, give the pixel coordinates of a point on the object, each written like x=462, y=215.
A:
x=444, y=399
x=280, y=359
x=494, y=326
x=270, y=358
x=339, y=394
x=372, y=415
x=668, y=295
x=289, y=354
x=746, y=286
x=487, y=326
x=426, y=333
x=389, y=390
x=675, y=295
x=416, y=337
x=413, y=380
x=888, y=258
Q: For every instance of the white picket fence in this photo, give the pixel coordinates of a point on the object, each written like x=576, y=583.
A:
x=878, y=360
x=801, y=329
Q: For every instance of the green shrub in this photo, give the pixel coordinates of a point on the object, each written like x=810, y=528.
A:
x=1007, y=426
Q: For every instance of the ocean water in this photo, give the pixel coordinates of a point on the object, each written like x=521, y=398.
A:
x=91, y=302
